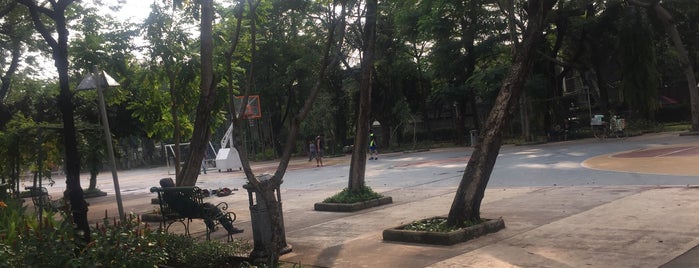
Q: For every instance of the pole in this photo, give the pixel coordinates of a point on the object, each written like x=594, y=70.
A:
x=108, y=137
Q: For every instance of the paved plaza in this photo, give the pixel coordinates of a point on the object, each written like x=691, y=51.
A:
x=586, y=203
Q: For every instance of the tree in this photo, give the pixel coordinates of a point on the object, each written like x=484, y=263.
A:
x=169, y=49
x=462, y=33
x=110, y=49
x=467, y=202
x=361, y=137
x=15, y=36
x=266, y=188
x=207, y=98
x=56, y=13
x=682, y=55
x=640, y=78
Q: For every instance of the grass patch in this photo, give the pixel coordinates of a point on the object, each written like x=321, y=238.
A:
x=349, y=197
x=677, y=126
x=437, y=225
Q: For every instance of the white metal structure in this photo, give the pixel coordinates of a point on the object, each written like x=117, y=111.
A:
x=170, y=152
x=227, y=158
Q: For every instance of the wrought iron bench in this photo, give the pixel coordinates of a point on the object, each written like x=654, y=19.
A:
x=42, y=200
x=186, y=203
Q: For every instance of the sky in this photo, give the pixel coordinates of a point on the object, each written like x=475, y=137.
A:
x=134, y=10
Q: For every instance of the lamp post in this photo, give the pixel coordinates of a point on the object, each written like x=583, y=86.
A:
x=96, y=81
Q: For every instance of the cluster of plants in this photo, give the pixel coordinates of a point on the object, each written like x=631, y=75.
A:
x=51, y=241
x=346, y=196
x=437, y=224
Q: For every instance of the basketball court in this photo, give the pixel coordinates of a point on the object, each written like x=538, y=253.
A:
x=663, y=160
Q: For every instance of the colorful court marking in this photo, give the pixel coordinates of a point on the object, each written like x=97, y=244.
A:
x=681, y=160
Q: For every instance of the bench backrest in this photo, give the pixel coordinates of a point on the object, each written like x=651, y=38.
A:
x=180, y=202
x=40, y=197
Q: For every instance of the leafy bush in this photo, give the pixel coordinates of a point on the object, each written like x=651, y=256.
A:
x=270, y=154
x=348, y=197
x=53, y=243
x=26, y=241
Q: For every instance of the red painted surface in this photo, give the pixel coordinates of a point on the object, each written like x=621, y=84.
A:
x=662, y=152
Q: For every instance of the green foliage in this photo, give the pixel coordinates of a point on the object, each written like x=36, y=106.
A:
x=681, y=126
x=184, y=252
x=27, y=146
x=269, y=154
x=639, y=65
x=486, y=81
x=26, y=243
x=437, y=225
x=348, y=197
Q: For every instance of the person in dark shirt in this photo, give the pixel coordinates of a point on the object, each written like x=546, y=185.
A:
x=189, y=208
x=319, y=151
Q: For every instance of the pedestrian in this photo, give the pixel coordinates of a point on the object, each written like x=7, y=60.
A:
x=374, y=153
x=312, y=151
x=319, y=151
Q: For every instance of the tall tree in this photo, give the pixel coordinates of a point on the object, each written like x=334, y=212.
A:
x=682, y=55
x=177, y=67
x=57, y=39
x=467, y=202
x=265, y=188
x=361, y=137
x=207, y=98
x=15, y=36
x=640, y=78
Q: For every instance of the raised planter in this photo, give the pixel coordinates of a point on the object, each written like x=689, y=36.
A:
x=399, y=234
x=151, y=217
x=340, y=207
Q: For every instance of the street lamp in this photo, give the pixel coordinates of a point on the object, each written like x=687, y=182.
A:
x=98, y=80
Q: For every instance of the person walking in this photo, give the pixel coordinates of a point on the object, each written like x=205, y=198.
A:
x=374, y=153
x=319, y=151
x=312, y=151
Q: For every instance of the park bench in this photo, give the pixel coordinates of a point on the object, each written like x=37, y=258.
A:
x=42, y=200
x=173, y=199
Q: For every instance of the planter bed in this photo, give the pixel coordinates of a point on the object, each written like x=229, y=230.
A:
x=341, y=207
x=399, y=234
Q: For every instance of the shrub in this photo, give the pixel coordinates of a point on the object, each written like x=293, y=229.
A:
x=348, y=197
x=53, y=243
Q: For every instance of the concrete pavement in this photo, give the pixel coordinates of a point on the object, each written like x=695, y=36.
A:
x=547, y=226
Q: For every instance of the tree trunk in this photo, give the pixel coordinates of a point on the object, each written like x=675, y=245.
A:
x=266, y=188
x=7, y=77
x=683, y=58
x=176, y=135
x=59, y=47
x=467, y=202
x=207, y=97
x=5, y=81
x=524, y=113
x=358, y=162
x=459, y=123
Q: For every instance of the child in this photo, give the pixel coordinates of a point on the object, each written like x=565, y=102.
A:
x=372, y=146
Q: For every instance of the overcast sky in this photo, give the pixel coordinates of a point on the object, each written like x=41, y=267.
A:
x=133, y=10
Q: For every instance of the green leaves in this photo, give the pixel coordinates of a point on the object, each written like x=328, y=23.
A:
x=437, y=224
x=348, y=197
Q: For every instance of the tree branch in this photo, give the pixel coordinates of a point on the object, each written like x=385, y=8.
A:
x=34, y=10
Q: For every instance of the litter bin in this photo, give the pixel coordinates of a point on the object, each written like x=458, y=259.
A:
x=262, y=223
x=474, y=137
